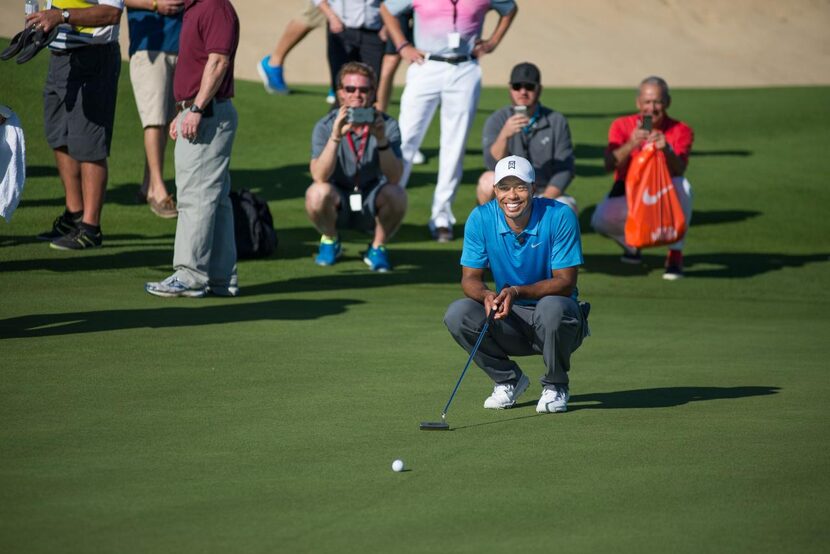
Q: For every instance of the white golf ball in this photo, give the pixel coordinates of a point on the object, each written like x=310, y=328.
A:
x=397, y=465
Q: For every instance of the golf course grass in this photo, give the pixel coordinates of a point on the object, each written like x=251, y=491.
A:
x=698, y=419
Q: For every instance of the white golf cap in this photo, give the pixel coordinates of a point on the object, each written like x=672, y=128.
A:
x=515, y=166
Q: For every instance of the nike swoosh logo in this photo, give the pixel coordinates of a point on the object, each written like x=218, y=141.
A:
x=535, y=245
x=649, y=199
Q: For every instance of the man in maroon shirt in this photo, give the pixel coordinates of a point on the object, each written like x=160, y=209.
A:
x=204, y=256
x=626, y=138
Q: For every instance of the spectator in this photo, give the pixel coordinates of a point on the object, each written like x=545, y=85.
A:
x=444, y=71
x=79, y=111
x=154, y=47
x=353, y=34
x=532, y=248
x=356, y=180
x=204, y=257
x=270, y=68
x=626, y=138
x=528, y=129
x=388, y=68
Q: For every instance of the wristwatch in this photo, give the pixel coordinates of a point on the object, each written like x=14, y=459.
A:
x=196, y=109
x=65, y=15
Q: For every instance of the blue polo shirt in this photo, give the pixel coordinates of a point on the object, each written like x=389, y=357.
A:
x=550, y=241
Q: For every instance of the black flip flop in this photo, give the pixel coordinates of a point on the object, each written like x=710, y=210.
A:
x=17, y=43
x=38, y=42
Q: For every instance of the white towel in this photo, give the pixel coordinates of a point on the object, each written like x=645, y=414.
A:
x=12, y=164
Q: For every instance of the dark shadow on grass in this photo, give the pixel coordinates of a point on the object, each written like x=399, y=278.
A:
x=162, y=315
x=41, y=171
x=729, y=265
x=719, y=153
x=583, y=170
x=589, y=151
x=412, y=267
x=97, y=260
x=664, y=397
x=716, y=217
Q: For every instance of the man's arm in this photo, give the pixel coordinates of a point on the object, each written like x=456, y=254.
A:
x=212, y=76
x=94, y=16
x=406, y=50
x=486, y=46
x=164, y=7
x=677, y=165
x=335, y=23
x=322, y=167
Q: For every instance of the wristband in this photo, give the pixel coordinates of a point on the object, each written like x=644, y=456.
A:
x=403, y=45
x=382, y=148
x=155, y=5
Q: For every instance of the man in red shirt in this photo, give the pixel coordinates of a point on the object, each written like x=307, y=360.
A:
x=204, y=256
x=626, y=138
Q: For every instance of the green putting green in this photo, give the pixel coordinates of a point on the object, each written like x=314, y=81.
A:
x=269, y=422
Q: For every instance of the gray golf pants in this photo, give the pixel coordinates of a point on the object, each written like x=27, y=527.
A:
x=554, y=328
x=205, y=250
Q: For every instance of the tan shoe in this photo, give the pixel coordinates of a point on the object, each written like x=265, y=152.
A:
x=166, y=208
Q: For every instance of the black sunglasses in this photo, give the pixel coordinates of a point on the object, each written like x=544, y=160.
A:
x=351, y=90
x=530, y=87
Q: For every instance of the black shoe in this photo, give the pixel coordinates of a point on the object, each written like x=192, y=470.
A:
x=632, y=257
x=62, y=226
x=79, y=239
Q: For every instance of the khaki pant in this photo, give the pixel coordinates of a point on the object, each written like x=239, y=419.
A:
x=205, y=251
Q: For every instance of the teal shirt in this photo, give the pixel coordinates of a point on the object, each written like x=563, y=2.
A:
x=550, y=241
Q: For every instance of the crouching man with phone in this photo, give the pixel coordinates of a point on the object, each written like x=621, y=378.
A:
x=356, y=165
x=627, y=137
x=532, y=131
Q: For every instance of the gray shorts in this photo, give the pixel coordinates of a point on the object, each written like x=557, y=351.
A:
x=363, y=220
x=79, y=100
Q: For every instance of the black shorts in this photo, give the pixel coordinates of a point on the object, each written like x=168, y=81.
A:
x=79, y=100
x=363, y=220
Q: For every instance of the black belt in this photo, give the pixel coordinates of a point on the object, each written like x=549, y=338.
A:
x=455, y=60
x=184, y=104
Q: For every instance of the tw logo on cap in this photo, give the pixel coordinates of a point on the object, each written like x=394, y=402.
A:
x=511, y=164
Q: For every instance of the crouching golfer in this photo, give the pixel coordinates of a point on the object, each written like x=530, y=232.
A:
x=532, y=248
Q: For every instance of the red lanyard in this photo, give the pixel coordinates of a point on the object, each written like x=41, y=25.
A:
x=358, y=154
x=454, y=15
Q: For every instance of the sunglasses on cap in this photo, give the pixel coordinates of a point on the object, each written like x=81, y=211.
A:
x=530, y=87
x=352, y=89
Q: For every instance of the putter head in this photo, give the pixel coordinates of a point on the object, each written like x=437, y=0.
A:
x=435, y=426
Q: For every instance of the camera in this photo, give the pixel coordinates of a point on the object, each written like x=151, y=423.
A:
x=646, y=123
x=361, y=116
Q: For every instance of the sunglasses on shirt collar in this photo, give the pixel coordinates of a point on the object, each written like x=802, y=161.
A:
x=530, y=87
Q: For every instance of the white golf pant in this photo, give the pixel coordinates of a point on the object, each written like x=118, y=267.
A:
x=456, y=88
x=610, y=214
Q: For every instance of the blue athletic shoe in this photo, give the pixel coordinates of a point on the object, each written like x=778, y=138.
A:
x=271, y=77
x=329, y=253
x=377, y=259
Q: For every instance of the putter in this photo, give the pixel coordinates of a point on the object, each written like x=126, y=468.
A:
x=443, y=425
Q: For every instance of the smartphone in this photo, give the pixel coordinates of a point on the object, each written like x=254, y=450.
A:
x=361, y=116
x=520, y=110
x=646, y=123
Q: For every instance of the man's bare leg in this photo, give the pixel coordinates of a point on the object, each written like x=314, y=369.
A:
x=69, y=170
x=94, y=186
x=155, y=140
x=294, y=32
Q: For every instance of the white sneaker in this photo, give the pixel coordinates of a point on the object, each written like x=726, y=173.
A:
x=419, y=158
x=504, y=396
x=554, y=399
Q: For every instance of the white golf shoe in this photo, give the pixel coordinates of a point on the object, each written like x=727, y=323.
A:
x=554, y=399
x=504, y=396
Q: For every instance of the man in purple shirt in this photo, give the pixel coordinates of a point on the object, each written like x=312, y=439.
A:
x=204, y=257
